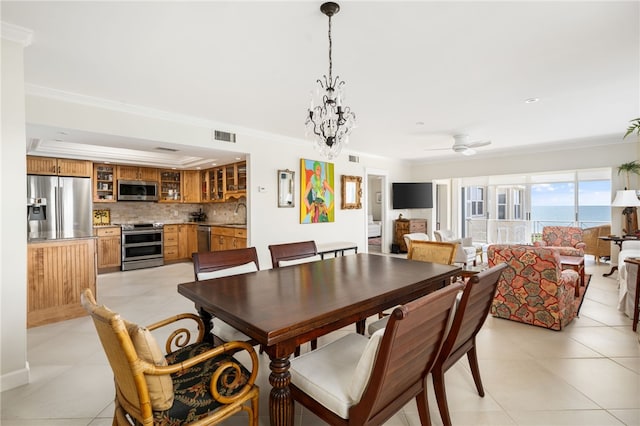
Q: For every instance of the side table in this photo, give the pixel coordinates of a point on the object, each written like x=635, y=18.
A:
x=617, y=241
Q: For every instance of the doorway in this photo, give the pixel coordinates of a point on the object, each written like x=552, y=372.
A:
x=377, y=228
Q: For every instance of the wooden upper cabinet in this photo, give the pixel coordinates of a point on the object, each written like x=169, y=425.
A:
x=235, y=180
x=137, y=173
x=58, y=166
x=191, y=186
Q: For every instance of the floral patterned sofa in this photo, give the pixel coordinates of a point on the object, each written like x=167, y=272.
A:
x=567, y=239
x=533, y=289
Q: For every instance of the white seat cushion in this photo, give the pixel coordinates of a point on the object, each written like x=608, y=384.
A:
x=234, y=270
x=326, y=373
x=228, y=333
x=363, y=370
x=377, y=325
x=299, y=261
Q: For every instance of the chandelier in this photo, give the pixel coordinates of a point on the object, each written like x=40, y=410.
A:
x=329, y=122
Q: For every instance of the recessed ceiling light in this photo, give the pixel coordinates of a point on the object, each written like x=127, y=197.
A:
x=173, y=168
x=197, y=168
x=238, y=158
x=63, y=133
x=214, y=164
x=531, y=100
x=419, y=123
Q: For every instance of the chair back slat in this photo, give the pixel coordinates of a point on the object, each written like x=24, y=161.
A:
x=473, y=309
x=411, y=342
x=216, y=260
x=292, y=251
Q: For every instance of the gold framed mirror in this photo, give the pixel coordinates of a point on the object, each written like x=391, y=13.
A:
x=351, y=192
x=286, y=188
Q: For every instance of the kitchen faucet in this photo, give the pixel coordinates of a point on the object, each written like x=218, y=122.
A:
x=240, y=203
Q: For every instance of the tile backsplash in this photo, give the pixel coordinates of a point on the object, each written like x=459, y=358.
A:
x=142, y=212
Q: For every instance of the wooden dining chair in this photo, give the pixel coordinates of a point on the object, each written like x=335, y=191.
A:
x=471, y=312
x=215, y=264
x=195, y=383
x=423, y=251
x=288, y=254
x=360, y=381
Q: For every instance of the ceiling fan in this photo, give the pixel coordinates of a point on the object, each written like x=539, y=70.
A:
x=461, y=145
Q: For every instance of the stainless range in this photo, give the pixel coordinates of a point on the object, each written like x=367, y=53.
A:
x=142, y=245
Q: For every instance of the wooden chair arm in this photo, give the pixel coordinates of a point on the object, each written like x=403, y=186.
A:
x=181, y=336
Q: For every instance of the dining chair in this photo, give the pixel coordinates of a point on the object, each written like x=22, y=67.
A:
x=360, y=381
x=195, y=383
x=215, y=264
x=422, y=251
x=470, y=315
x=288, y=254
x=631, y=303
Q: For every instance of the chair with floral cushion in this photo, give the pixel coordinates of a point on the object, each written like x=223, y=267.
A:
x=568, y=240
x=194, y=383
x=533, y=289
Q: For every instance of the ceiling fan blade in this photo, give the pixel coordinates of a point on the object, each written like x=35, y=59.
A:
x=468, y=151
x=478, y=144
x=437, y=149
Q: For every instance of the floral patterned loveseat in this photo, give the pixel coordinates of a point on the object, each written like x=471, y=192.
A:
x=533, y=289
x=567, y=239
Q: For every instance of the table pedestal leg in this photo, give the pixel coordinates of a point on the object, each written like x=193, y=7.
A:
x=206, y=319
x=360, y=326
x=280, y=402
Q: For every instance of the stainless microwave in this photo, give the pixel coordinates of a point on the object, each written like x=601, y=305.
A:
x=137, y=190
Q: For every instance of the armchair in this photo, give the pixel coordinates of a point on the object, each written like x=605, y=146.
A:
x=629, y=249
x=594, y=245
x=568, y=240
x=533, y=289
x=195, y=383
x=466, y=251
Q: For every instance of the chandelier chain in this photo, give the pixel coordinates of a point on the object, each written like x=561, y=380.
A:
x=330, y=60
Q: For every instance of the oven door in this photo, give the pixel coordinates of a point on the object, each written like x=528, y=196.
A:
x=140, y=245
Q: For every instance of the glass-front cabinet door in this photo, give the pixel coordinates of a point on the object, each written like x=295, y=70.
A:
x=170, y=185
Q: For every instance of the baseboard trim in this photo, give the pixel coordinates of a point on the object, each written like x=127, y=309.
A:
x=15, y=378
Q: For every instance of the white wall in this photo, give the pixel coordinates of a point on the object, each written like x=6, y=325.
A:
x=14, y=369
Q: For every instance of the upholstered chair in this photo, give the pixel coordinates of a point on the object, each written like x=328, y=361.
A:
x=594, y=246
x=194, y=383
x=466, y=253
x=533, y=289
x=630, y=248
x=414, y=236
x=568, y=240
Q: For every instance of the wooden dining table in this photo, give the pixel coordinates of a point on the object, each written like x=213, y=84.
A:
x=282, y=308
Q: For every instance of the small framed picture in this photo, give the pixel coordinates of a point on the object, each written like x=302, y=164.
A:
x=378, y=197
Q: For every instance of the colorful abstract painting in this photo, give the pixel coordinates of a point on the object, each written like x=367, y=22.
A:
x=317, y=199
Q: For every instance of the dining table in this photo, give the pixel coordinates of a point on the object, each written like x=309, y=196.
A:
x=282, y=308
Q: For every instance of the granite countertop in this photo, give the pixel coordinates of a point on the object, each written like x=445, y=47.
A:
x=225, y=225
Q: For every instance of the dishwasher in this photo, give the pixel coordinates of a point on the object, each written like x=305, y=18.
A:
x=204, y=238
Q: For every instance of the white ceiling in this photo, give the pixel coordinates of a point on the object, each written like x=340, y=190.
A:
x=416, y=72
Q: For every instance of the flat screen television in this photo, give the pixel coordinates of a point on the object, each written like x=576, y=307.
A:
x=412, y=195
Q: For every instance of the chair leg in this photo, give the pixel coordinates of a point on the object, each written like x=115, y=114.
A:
x=423, y=407
x=472, y=356
x=441, y=395
x=314, y=344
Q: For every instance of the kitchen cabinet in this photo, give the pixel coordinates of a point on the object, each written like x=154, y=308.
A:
x=191, y=186
x=407, y=226
x=180, y=241
x=104, y=189
x=212, y=185
x=109, y=243
x=170, y=242
x=57, y=272
x=170, y=186
x=187, y=240
x=226, y=238
x=137, y=173
x=58, y=167
x=235, y=180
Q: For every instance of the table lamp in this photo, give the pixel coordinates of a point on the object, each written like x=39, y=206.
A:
x=629, y=200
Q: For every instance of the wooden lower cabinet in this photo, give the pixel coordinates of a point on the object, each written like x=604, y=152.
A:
x=180, y=241
x=109, y=248
x=57, y=272
x=223, y=238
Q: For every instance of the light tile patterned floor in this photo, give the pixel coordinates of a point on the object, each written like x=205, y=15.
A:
x=587, y=374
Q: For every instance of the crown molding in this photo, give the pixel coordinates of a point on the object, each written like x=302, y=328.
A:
x=76, y=98
x=15, y=33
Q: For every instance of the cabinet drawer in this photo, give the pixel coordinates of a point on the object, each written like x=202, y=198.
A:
x=170, y=228
x=171, y=252
x=171, y=239
x=418, y=227
x=241, y=233
x=218, y=230
x=108, y=232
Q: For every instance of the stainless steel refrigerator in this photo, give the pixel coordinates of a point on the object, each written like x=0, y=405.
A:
x=58, y=207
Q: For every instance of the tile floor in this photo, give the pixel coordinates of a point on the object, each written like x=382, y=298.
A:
x=587, y=374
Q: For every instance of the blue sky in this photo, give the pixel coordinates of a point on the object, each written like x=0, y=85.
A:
x=592, y=193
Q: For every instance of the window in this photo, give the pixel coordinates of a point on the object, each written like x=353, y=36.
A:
x=475, y=201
